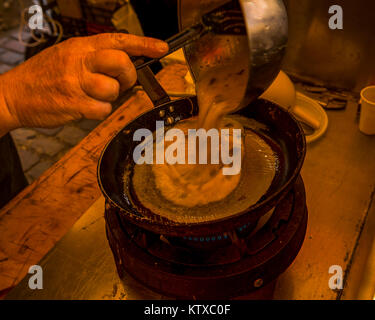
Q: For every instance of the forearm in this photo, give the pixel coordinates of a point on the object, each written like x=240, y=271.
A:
x=7, y=122
x=77, y=78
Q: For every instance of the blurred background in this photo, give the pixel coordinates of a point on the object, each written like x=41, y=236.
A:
x=333, y=59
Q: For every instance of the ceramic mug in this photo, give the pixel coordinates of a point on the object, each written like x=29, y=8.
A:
x=367, y=119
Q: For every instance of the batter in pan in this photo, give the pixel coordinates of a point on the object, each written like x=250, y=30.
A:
x=201, y=192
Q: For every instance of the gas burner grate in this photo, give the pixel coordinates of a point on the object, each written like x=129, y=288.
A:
x=239, y=266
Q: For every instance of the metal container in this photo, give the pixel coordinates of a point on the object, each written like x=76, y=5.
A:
x=256, y=55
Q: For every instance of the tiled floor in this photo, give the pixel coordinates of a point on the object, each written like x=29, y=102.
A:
x=39, y=148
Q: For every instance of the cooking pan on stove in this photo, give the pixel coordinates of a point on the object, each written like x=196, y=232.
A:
x=281, y=130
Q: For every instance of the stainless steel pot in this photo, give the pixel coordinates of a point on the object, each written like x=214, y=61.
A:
x=257, y=54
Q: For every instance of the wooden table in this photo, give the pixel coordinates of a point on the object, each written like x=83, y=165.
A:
x=339, y=176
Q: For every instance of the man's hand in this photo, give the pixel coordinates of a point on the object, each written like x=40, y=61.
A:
x=74, y=79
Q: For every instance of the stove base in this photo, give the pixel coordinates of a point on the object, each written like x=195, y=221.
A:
x=262, y=257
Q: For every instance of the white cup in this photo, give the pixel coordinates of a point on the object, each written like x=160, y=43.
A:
x=367, y=119
x=281, y=92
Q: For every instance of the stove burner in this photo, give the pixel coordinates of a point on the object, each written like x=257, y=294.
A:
x=228, y=265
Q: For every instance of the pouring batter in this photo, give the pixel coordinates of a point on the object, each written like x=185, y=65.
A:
x=161, y=188
x=188, y=193
x=198, y=193
x=191, y=185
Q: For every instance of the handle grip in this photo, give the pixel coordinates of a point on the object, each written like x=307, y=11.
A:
x=149, y=83
x=175, y=42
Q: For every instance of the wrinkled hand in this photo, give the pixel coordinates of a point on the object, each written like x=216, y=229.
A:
x=74, y=79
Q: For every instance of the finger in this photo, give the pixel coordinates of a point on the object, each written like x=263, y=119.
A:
x=101, y=87
x=113, y=63
x=131, y=44
x=95, y=110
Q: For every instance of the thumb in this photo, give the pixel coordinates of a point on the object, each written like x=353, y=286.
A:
x=131, y=44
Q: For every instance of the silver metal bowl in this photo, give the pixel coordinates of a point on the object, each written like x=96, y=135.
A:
x=256, y=56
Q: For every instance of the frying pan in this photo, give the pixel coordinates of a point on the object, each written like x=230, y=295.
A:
x=281, y=130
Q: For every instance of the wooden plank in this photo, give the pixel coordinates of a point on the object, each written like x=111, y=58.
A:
x=75, y=252
x=40, y=215
x=32, y=223
x=361, y=279
x=339, y=176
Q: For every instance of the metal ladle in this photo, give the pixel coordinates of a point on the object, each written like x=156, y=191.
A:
x=257, y=53
x=246, y=37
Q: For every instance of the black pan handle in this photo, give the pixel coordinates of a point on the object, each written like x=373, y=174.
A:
x=175, y=42
x=147, y=80
x=154, y=90
x=151, y=86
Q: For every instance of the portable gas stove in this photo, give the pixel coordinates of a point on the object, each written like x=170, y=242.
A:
x=244, y=262
x=225, y=258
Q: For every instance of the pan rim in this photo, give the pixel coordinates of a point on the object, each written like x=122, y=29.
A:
x=173, y=228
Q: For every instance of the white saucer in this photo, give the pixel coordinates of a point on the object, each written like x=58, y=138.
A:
x=312, y=113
